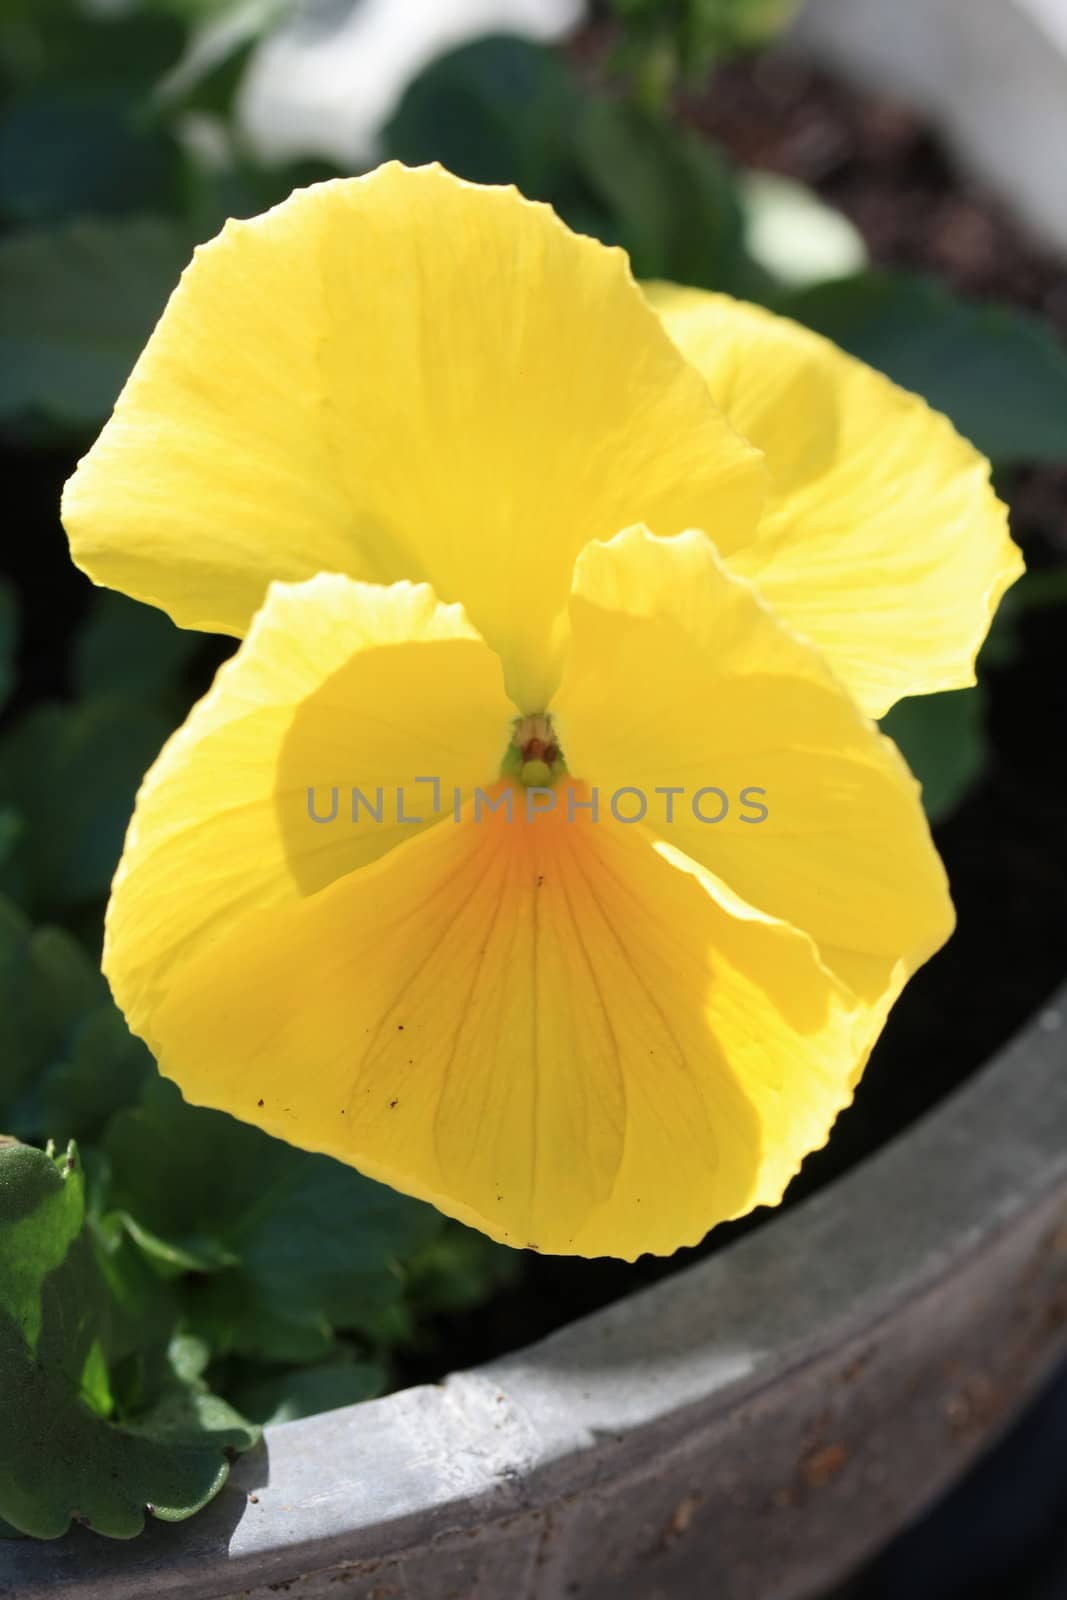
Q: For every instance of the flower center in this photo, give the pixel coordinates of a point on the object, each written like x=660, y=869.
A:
x=534, y=756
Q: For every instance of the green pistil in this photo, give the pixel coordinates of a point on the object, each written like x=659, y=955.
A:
x=533, y=757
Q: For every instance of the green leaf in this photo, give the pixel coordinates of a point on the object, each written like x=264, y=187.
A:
x=131, y=650
x=103, y=1068
x=82, y=133
x=193, y=1254
x=47, y=986
x=67, y=1454
x=305, y=1391
x=1038, y=590
x=61, y=153
x=459, y=1270
x=999, y=373
x=704, y=30
x=942, y=738
x=660, y=41
x=10, y=834
x=8, y=640
x=141, y=1313
x=214, y=88
x=672, y=197
x=77, y=303
x=71, y=772
x=252, y=14
x=500, y=110
x=60, y=43
x=67, y=1059
x=290, y=1246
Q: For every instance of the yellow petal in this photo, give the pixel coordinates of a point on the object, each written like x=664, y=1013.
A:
x=402, y=376
x=882, y=540
x=547, y=1028
x=339, y=685
x=680, y=676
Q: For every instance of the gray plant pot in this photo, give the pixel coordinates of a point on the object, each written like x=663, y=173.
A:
x=990, y=74
x=751, y=1428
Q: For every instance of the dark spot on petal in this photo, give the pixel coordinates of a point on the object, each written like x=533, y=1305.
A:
x=259, y=1102
x=393, y=1102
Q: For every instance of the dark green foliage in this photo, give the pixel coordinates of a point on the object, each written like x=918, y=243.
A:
x=664, y=42
x=68, y=1320
x=300, y=1246
x=942, y=738
x=999, y=373
x=77, y=302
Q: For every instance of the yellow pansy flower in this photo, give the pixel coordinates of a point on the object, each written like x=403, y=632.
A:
x=536, y=852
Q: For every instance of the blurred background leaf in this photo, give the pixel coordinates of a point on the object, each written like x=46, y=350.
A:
x=8, y=639
x=457, y=1270
x=942, y=738
x=67, y=1059
x=77, y=302
x=63, y=153
x=70, y=773
x=119, y=634
x=500, y=110
x=79, y=126
x=672, y=198
x=666, y=42
x=120, y=54
x=50, y=992
x=998, y=372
